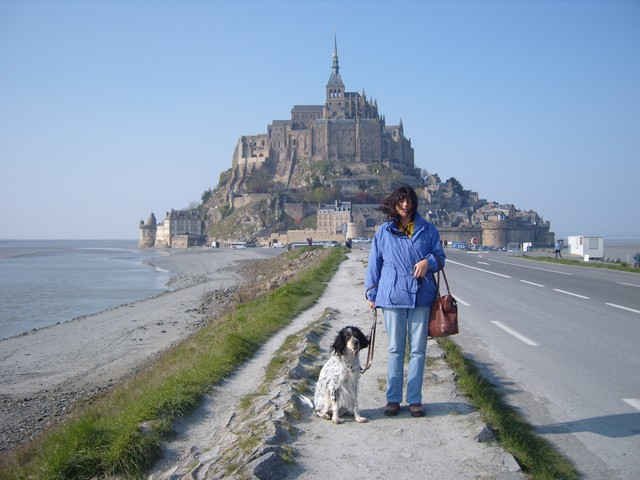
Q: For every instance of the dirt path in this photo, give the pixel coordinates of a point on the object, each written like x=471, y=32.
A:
x=197, y=433
x=441, y=445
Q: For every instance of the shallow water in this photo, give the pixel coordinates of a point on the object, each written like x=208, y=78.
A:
x=43, y=282
x=622, y=248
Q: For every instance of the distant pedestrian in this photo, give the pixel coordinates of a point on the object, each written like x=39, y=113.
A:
x=405, y=251
x=558, y=249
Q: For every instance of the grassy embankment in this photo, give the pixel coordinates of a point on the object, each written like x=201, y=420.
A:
x=537, y=457
x=121, y=433
x=623, y=266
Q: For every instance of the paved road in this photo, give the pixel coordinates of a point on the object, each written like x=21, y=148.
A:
x=563, y=342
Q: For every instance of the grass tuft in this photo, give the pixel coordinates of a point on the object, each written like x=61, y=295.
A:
x=536, y=456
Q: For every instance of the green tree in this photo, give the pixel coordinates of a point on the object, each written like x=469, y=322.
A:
x=259, y=181
x=206, y=195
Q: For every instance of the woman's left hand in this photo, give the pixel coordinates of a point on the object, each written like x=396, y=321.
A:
x=420, y=269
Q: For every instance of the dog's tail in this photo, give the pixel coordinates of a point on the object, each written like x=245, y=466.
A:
x=306, y=400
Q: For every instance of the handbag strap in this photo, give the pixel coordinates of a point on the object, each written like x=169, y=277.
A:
x=437, y=280
x=446, y=282
x=372, y=342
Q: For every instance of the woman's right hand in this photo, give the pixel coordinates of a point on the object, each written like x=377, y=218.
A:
x=372, y=304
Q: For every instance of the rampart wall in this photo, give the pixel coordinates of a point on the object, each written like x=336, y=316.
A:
x=457, y=234
x=239, y=201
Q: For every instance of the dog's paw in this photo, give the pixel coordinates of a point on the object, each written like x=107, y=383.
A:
x=360, y=419
x=325, y=415
x=337, y=420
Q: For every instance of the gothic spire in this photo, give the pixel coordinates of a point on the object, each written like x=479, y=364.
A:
x=335, y=81
x=335, y=67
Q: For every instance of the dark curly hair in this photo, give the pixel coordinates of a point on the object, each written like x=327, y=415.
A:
x=388, y=206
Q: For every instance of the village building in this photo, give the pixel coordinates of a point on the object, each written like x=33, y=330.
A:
x=179, y=229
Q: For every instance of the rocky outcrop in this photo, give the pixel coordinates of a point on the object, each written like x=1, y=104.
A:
x=459, y=213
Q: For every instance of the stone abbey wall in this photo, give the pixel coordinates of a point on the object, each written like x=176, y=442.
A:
x=370, y=142
x=251, y=151
x=341, y=141
x=319, y=140
x=303, y=116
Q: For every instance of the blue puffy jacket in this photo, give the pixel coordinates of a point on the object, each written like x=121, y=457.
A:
x=389, y=280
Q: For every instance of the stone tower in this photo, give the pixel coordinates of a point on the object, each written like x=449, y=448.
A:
x=335, y=102
x=147, y=238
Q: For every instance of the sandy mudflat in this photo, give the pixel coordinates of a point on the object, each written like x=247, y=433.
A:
x=43, y=372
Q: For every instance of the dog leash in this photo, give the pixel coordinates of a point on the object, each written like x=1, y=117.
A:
x=372, y=341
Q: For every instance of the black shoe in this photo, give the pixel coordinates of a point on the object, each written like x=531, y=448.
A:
x=416, y=410
x=392, y=409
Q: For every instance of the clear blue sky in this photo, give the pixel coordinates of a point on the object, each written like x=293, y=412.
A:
x=111, y=110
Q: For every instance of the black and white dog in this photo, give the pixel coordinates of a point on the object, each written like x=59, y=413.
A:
x=337, y=387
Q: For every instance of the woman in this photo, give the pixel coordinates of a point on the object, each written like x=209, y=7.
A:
x=405, y=251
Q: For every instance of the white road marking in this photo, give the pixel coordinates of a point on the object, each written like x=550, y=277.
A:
x=459, y=300
x=479, y=269
x=628, y=309
x=532, y=283
x=483, y=263
x=532, y=268
x=628, y=284
x=634, y=402
x=511, y=331
x=571, y=293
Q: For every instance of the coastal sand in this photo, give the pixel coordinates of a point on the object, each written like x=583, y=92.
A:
x=45, y=371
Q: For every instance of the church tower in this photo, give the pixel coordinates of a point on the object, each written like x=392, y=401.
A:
x=335, y=106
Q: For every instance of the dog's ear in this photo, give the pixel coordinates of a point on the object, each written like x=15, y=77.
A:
x=362, y=339
x=339, y=344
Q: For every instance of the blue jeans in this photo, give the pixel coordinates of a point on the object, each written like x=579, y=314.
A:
x=399, y=322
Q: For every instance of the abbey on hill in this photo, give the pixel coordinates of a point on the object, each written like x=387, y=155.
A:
x=347, y=130
x=322, y=173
